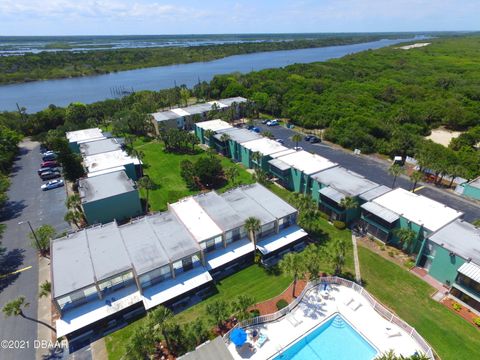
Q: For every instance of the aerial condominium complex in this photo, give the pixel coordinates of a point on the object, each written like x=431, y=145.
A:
x=104, y=275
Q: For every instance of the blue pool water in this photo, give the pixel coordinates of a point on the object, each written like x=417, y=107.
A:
x=333, y=340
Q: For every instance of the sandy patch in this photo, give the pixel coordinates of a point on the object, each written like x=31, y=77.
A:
x=413, y=46
x=442, y=136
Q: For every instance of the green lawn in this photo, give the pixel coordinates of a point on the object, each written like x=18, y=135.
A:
x=164, y=169
x=449, y=335
x=253, y=281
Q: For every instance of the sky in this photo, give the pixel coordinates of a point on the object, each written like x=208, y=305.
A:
x=128, y=17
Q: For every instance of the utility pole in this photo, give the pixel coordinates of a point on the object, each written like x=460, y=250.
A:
x=33, y=233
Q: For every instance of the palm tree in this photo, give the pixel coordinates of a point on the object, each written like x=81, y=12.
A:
x=15, y=308
x=256, y=157
x=296, y=139
x=232, y=173
x=240, y=306
x=395, y=170
x=292, y=265
x=45, y=289
x=252, y=225
x=348, y=202
x=141, y=344
x=406, y=237
x=185, y=95
x=312, y=258
x=74, y=202
x=42, y=237
x=147, y=184
x=208, y=135
x=219, y=311
x=74, y=216
x=415, y=177
x=337, y=255
x=159, y=318
x=224, y=139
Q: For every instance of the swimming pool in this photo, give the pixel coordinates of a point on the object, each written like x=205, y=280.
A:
x=335, y=339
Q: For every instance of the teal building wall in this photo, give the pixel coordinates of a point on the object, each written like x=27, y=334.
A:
x=443, y=267
x=119, y=207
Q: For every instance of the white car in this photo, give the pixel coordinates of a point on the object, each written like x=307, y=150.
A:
x=297, y=148
x=272, y=123
x=53, y=184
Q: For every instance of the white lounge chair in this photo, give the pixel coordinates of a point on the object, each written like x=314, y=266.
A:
x=355, y=305
x=293, y=320
x=392, y=332
x=348, y=302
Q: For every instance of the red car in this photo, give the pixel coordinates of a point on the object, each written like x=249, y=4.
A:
x=49, y=164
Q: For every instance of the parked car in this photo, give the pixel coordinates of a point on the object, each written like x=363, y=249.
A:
x=315, y=140
x=265, y=121
x=307, y=137
x=256, y=129
x=43, y=169
x=48, y=156
x=281, y=141
x=250, y=127
x=48, y=175
x=49, y=164
x=297, y=148
x=272, y=123
x=52, y=184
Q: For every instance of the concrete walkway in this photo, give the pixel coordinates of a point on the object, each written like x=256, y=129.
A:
x=99, y=350
x=358, y=276
x=44, y=313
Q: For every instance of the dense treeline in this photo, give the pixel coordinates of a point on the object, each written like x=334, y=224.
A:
x=61, y=64
x=382, y=101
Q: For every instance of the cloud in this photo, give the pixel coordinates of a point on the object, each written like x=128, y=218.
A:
x=88, y=9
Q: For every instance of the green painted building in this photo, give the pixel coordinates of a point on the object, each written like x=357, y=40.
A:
x=294, y=169
x=402, y=209
x=331, y=186
x=75, y=138
x=236, y=137
x=266, y=148
x=108, y=197
x=451, y=255
x=213, y=126
x=472, y=189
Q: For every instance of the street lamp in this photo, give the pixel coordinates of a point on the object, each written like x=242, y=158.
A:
x=33, y=233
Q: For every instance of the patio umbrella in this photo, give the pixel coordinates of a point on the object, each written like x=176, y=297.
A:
x=238, y=336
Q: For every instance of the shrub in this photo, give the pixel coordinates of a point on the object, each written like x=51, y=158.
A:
x=254, y=313
x=476, y=321
x=324, y=215
x=281, y=304
x=340, y=225
x=383, y=248
x=409, y=264
x=457, y=306
x=391, y=254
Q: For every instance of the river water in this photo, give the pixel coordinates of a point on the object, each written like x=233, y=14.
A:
x=37, y=95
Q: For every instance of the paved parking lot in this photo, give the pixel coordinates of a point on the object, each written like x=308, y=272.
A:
x=375, y=170
x=26, y=202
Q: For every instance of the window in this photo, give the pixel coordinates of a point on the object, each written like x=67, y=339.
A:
x=116, y=283
x=155, y=276
x=267, y=229
x=78, y=298
x=233, y=235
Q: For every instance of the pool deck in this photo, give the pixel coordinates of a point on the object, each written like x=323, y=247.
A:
x=314, y=309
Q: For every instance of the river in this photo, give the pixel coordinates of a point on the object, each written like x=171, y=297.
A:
x=35, y=96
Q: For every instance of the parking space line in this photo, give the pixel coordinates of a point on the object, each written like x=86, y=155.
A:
x=15, y=272
x=419, y=188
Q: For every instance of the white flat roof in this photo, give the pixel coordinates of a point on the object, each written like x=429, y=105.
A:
x=218, y=103
x=214, y=125
x=108, y=160
x=93, y=311
x=233, y=251
x=418, y=209
x=84, y=135
x=306, y=162
x=169, y=289
x=180, y=112
x=283, y=238
x=195, y=219
x=106, y=171
x=264, y=146
x=282, y=153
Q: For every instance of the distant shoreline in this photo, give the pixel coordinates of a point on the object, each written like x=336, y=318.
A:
x=67, y=64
